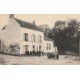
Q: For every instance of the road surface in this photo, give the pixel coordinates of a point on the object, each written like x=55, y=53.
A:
x=35, y=60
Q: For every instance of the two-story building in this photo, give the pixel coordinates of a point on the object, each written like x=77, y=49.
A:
x=19, y=36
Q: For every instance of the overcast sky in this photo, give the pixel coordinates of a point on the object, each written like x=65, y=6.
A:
x=40, y=19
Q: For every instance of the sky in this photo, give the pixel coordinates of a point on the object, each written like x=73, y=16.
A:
x=40, y=19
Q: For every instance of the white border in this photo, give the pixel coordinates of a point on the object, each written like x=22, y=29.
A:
x=45, y=72
x=39, y=72
x=40, y=6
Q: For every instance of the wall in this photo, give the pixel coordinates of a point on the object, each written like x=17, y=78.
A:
x=30, y=32
x=11, y=34
x=52, y=46
x=13, y=39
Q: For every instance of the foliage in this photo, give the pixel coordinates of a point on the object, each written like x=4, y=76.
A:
x=65, y=35
x=14, y=48
x=45, y=29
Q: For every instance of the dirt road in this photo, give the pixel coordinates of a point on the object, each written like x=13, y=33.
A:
x=35, y=60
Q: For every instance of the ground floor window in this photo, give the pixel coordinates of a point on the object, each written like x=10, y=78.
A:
x=26, y=48
x=48, y=46
x=40, y=48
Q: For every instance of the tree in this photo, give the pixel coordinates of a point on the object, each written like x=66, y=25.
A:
x=46, y=29
x=58, y=35
x=65, y=35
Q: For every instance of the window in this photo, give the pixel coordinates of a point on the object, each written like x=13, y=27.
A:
x=26, y=36
x=49, y=46
x=40, y=40
x=33, y=38
x=26, y=48
x=33, y=48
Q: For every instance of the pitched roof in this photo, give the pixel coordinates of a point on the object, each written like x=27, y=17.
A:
x=28, y=25
x=47, y=39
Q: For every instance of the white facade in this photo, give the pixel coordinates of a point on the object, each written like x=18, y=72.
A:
x=10, y=36
x=29, y=42
x=48, y=46
x=13, y=39
x=11, y=33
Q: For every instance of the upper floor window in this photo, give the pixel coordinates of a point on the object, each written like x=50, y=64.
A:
x=26, y=36
x=33, y=38
x=40, y=39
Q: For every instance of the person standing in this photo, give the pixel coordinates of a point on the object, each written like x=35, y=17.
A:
x=56, y=56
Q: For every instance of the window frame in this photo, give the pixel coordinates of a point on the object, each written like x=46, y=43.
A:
x=26, y=36
x=49, y=46
x=33, y=38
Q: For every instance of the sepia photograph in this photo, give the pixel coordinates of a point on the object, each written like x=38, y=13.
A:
x=39, y=39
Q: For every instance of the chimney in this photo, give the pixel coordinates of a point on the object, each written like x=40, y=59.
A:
x=11, y=16
x=34, y=22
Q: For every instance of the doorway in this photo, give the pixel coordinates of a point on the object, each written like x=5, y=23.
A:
x=33, y=48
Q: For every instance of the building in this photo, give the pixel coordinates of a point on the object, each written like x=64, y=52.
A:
x=19, y=36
